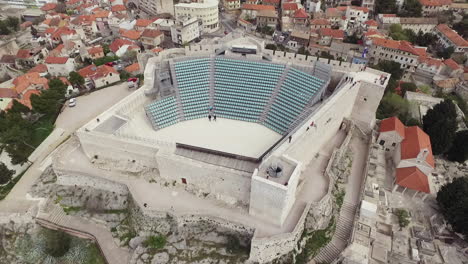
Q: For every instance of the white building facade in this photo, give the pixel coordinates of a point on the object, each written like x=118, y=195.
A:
x=206, y=10
x=185, y=30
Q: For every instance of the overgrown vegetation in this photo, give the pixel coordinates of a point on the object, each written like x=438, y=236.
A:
x=23, y=129
x=315, y=241
x=453, y=201
x=459, y=150
x=441, y=125
x=5, y=173
x=394, y=105
x=9, y=25
x=104, y=60
x=155, y=242
x=339, y=198
x=5, y=190
x=403, y=217
x=57, y=243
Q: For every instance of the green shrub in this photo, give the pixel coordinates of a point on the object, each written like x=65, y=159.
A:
x=57, y=243
x=156, y=242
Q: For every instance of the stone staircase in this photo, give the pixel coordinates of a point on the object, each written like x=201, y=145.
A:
x=266, y=110
x=180, y=111
x=343, y=230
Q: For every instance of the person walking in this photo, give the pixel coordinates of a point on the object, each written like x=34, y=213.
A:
x=209, y=118
x=290, y=137
x=214, y=118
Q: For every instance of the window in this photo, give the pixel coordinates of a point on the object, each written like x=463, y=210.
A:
x=382, y=142
x=393, y=144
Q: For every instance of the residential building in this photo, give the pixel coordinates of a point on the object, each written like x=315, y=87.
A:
x=246, y=25
x=336, y=16
x=267, y=18
x=399, y=51
x=369, y=4
x=131, y=35
x=133, y=69
x=185, y=30
x=412, y=154
x=39, y=68
x=300, y=18
x=206, y=10
x=312, y=6
x=97, y=77
x=289, y=8
x=151, y=38
x=120, y=46
x=232, y=4
x=250, y=11
x=7, y=61
x=298, y=39
x=356, y=16
x=154, y=7
x=319, y=23
x=49, y=8
x=24, y=86
x=60, y=66
x=119, y=9
x=448, y=37
x=29, y=58
x=370, y=24
x=325, y=36
x=433, y=7
x=424, y=24
x=95, y=52
x=275, y=3
x=142, y=24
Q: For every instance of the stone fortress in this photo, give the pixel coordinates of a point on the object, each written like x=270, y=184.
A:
x=274, y=111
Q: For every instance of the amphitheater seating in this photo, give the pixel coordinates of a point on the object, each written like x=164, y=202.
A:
x=296, y=91
x=163, y=113
x=193, y=78
x=242, y=88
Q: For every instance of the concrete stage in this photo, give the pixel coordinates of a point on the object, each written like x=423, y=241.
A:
x=226, y=135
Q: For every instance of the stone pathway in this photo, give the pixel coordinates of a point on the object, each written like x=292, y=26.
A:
x=346, y=219
x=53, y=216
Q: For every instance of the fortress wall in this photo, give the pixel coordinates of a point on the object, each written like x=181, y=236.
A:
x=272, y=201
x=228, y=185
x=266, y=249
x=121, y=152
x=267, y=200
x=327, y=121
x=365, y=117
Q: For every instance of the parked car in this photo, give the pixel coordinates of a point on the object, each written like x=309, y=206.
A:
x=111, y=64
x=72, y=102
x=132, y=82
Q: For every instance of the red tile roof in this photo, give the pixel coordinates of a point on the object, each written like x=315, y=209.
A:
x=48, y=7
x=93, y=72
x=301, y=13
x=83, y=19
x=8, y=93
x=102, y=14
x=135, y=67
x=393, y=124
x=360, y=8
x=320, y=21
x=276, y=2
x=452, y=35
x=257, y=7
x=398, y=45
x=95, y=50
x=290, y=6
x=8, y=59
x=24, y=81
x=412, y=178
x=452, y=64
x=118, y=8
x=430, y=61
x=416, y=141
x=374, y=32
x=435, y=2
x=151, y=33
x=371, y=23
x=144, y=22
x=116, y=44
x=26, y=24
x=40, y=68
x=56, y=60
x=334, y=33
x=23, y=54
x=130, y=34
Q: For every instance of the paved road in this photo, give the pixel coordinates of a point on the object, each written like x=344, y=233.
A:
x=91, y=105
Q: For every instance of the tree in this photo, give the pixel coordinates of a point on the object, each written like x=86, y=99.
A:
x=403, y=217
x=18, y=107
x=105, y=49
x=459, y=150
x=440, y=124
x=271, y=46
x=50, y=100
x=394, y=105
x=453, y=202
x=385, y=7
x=424, y=39
x=76, y=79
x=124, y=75
x=34, y=32
x=57, y=243
x=129, y=56
x=4, y=30
x=104, y=60
x=411, y=8
x=445, y=52
x=462, y=26
x=351, y=39
x=13, y=23
x=5, y=173
x=408, y=87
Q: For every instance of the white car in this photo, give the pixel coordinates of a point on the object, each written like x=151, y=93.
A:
x=72, y=102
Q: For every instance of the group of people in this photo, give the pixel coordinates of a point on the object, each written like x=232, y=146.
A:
x=211, y=114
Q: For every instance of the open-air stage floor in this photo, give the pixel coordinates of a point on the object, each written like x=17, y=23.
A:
x=225, y=135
